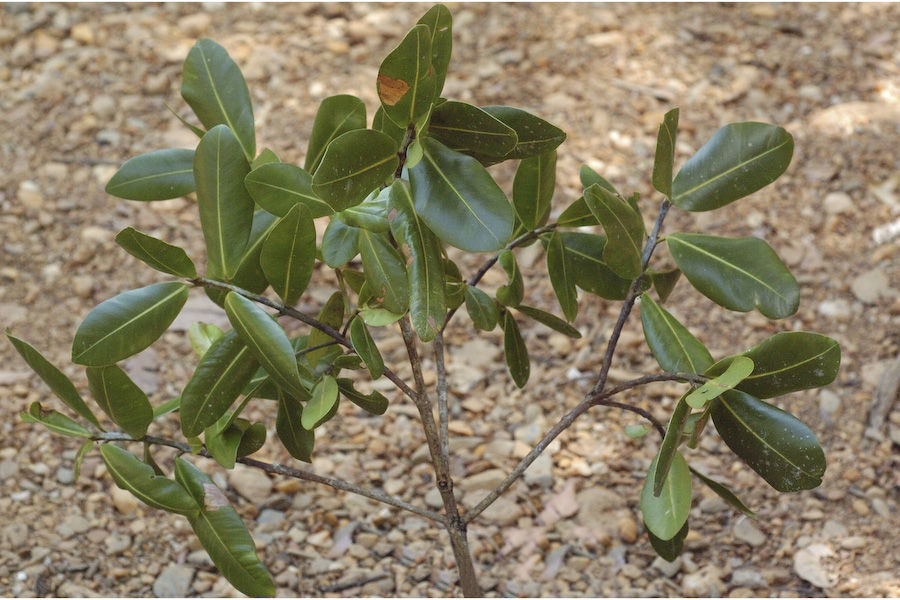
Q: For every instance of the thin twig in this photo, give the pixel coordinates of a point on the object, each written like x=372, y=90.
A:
x=346, y=585
x=443, y=410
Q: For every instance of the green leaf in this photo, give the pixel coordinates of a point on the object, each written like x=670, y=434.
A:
x=135, y=476
x=166, y=407
x=223, y=445
x=193, y=128
x=788, y=362
x=585, y=251
x=738, y=160
x=249, y=274
x=386, y=126
x=533, y=189
x=54, y=421
x=61, y=385
x=440, y=25
x=482, y=309
x=370, y=214
x=577, y=215
x=220, y=376
x=667, y=513
x=738, y=273
x=636, y=431
x=296, y=440
x=562, y=276
x=535, y=135
x=736, y=372
x=340, y=243
x=214, y=87
x=515, y=350
x=375, y=403
x=324, y=397
x=121, y=399
x=265, y=157
x=669, y=550
x=266, y=340
x=664, y=282
x=126, y=324
x=223, y=535
x=772, y=442
x=406, y=82
x=425, y=270
x=459, y=201
x=79, y=458
x=385, y=271
x=365, y=346
x=512, y=293
x=724, y=493
x=253, y=439
x=156, y=175
x=336, y=115
x=331, y=314
x=664, y=162
x=202, y=336
x=355, y=163
x=624, y=231
x=156, y=253
x=589, y=177
x=551, y=321
x=278, y=187
x=670, y=443
x=289, y=254
x=672, y=345
x=466, y=128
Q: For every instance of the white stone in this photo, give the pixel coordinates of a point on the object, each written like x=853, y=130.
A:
x=124, y=501
x=836, y=203
x=194, y=25
x=808, y=565
x=540, y=472
x=252, y=484
x=705, y=583
x=173, y=582
x=29, y=195
x=870, y=286
x=746, y=531
x=829, y=402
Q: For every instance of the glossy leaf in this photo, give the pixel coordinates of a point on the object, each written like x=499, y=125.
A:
x=370, y=214
x=249, y=274
x=724, y=493
x=562, y=276
x=336, y=115
x=386, y=126
x=736, y=372
x=534, y=135
x=664, y=282
x=135, y=476
x=515, y=351
x=253, y=439
x=299, y=442
x=223, y=535
x=385, y=271
x=667, y=513
x=156, y=175
x=738, y=273
x=585, y=251
x=459, y=201
x=324, y=397
x=355, y=163
x=263, y=158
x=482, y=309
x=669, y=550
x=226, y=209
x=672, y=345
x=624, y=231
x=54, y=421
x=468, y=129
x=222, y=445
x=202, y=336
x=365, y=346
x=126, y=324
x=440, y=25
x=331, y=314
x=669, y=446
x=374, y=403
x=788, y=362
x=340, y=243
x=163, y=257
x=589, y=177
x=278, y=187
x=266, y=341
x=406, y=81
x=512, y=293
x=533, y=188
x=121, y=399
x=772, y=442
x=289, y=254
x=61, y=385
x=738, y=160
x=424, y=269
x=577, y=214
x=220, y=376
x=664, y=162
x=551, y=321
x=215, y=89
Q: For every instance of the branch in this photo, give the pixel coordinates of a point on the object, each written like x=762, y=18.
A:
x=276, y=469
x=443, y=416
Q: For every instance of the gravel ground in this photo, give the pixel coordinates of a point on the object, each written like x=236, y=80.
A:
x=84, y=87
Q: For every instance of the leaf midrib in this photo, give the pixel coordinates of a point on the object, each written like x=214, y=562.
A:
x=215, y=91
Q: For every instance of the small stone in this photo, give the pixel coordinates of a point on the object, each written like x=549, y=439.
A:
x=628, y=529
x=270, y=517
x=124, y=501
x=860, y=507
x=881, y=508
x=808, y=565
x=173, y=582
x=870, y=286
x=94, y=235
x=252, y=484
x=82, y=33
x=503, y=512
x=83, y=285
x=704, y=583
x=746, y=531
x=65, y=475
x=29, y=195
x=157, y=84
x=833, y=529
x=837, y=202
x=748, y=578
x=485, y=481
x=540, y=472
x=104, y=107
x=394, y=486
x=829, y=402
x=669, y=569
x=117, y=543
x=835, y=309
x=194, y=25
x=854, y=542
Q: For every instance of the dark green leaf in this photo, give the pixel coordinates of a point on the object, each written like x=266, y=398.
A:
x=385, y=271
x=440, y=24
x=589, y=177
x=127, y=323
x=551, y=321
x=738, y=160
x=669, y=446
x=156, y=175
x=355, y=163
x=533, y=189
x=406, y=82
x=512, y=293
x=365, y=346
x=331, y=314
x=788, y=362
x=278, y=187
x=515, y=350
x=61, y=385
x=340, y=244
x=669, y=550
x=370, y=214
x=214, y=87
x=664, y=162
x=667, y=513
x=466, y=128
x=577, y=215
x=253, y=439
x=289, y=254
x=772, y=442
x=724, y=493
x=374, y=403
x=324, y=397
x=736, y=372
x=193, y=128
x=672, y=345
x=226, y=209
x=156, y=253
x=585, y=252
x=386, y=126
x=249, y=274
x=223, y=444
x=54, y=421
x=121, y=399
x=482, y=309
x=135, y=476
x=738, y=273
x=296, y=440
x=535, y=135
x=336, y=115
x=265, y=157
x=459, y=201
x=664, y=282
x=624, y=231
x=562, y=276
x=167, y=407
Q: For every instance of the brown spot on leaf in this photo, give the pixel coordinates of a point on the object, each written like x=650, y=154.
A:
x=213, y=497
x=391, y=90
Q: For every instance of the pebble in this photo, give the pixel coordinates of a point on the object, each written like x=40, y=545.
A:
x=628, y=529
x=104, y=107
x=95, y=235
x=503, y=512
x=65, y=475
x=82, y=286
x=829, y=402
x=173, y=582
x=29, y=194
x=194, y=25
x=860, y=507
x=704, y=583
x=8, y=468
x=117, y=543
x=881, y=508
x=252, y=484
x=485, y=481
x=669, y=569
x=540, y=472
x=270, y=517
x=808, y=565
x=750, y=578
x=124, y=501
x=837, y=202
x=870, y=286
x=854, y=542
x=835, y=309
x=83, y=33
x=746, y=531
